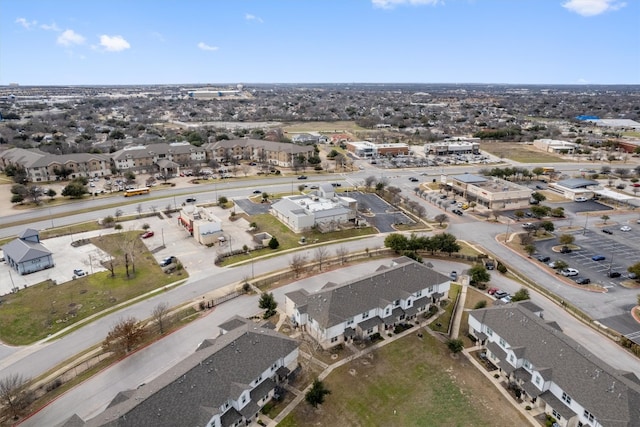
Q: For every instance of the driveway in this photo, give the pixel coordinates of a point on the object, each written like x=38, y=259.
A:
x=380, y=214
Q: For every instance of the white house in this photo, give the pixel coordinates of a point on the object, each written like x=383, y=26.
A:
x=554, y=372
x=224, y=383
x=369, y=305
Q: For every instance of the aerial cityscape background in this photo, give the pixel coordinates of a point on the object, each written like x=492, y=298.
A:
x=403, y=41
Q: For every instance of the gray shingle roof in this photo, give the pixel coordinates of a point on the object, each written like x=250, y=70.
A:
x=21, y=250
x=602, y=390
x=334, y=305
x=576, y=183
x=192, y=391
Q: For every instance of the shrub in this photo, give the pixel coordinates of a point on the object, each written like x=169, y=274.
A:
x=501, y=268
x=480, y=304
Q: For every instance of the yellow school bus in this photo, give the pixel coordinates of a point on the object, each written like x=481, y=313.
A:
x=136, y=191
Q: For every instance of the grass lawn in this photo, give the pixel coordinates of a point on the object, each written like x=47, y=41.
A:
x=445, y=318
x=474, y=296
x=520, y=152
x=288, y=239
x=37, y=311
x=410, y=382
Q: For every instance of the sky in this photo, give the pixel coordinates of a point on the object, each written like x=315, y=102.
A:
x=132, y=42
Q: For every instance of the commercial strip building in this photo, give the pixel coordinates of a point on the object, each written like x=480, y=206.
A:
x=369, y=305
x=552, y=371
x=323, y=208
x=452, y=146
x=555, y=146
x=201, y=223
x=224, y=383
x=489, y=192
x=368, y=150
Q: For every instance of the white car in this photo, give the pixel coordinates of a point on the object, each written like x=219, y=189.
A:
x=569, y=272
x=625, y=228
x=581, y=199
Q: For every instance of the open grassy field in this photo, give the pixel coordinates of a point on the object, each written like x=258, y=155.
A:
x=410, y=382
x=37, y=311
x=520, y=152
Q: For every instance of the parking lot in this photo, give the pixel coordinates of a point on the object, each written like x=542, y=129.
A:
x=380, y=214
x=169, y=239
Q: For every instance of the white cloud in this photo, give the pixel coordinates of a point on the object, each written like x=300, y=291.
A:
x=390, y=4
x=205, y=46
x=52, y=27
x=113, y=43
x=26, y=24
x=593, y=7
x=250, y=17
x=70, y=37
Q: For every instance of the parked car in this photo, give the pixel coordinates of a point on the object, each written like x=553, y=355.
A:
x=568, y=272
x=607, y=231
x=168, y=260
x=302, y=177
x=506, y=299
x=543, y=258
x=527, y=225
x=614, y=274
x=190, y=200
x=565, y=250
x=147, y=234
x=501, y=294
x=583, y=280
x=414, y=179
x=457, y=212
x=632, y=276
x=79, y=272
x=552, y=264
x=598, y=257
x=581, y=199
x=625, y=228
x=444, y=196
x=492, y=291
x=453, y=275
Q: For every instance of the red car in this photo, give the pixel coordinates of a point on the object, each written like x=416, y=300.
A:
x=492, y=291
x=147, y=234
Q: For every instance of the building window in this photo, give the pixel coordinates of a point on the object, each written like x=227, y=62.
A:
x=419, y=294
x=396, y=303
x=369, y=331
x=527, y=364
x=430, y=289
x=386, y=311
x=409, y=303
x=511, y=358
x=244, y=399
x=334, y=339
x=556, y=415
x=365, y=315
x=566, y=398
x=588, y=415
x=350, y=321
x=537, y=380
x=489, y=331
x=503, y=343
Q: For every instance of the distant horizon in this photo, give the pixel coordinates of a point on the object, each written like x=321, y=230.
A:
x=152, y=42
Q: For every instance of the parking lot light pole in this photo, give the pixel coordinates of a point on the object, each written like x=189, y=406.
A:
x=586, y=218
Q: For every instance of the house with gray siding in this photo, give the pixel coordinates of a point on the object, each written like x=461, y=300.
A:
x=553, y=372
x=373, y=304
x=26, y=254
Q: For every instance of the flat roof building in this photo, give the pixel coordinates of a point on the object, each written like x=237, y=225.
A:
x=490, y=192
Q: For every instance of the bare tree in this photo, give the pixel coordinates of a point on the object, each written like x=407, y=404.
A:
x=297, y=263
x=440, y=218
x=369, y=181
x=118, y=213
x=342, y=252
x=245, y=168
x=139, y=210
x=159, y=315
x=124, y=336
x=321, y=253
x=15, y=396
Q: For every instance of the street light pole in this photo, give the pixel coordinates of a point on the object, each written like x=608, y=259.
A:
x=586, y=218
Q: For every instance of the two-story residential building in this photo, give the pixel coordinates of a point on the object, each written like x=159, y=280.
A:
x=373, y=304
x=223, y=384
x=162, y=157
x=41, y=166
x=553, y=372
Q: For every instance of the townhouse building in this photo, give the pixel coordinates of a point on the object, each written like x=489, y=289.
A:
x=163, y=157
x=223, y=384
x=552, y=371
x=373, y=304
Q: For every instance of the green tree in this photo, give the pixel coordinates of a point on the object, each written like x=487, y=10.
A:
x=560, y=264
x=537, y=171
x=547, y=226
x=265, y=196
x=397, y=242
x=317, y=392
x=519, y=214
x=635, y=268
x=529, y=249
x=456, y=345
x=521, y=295
x=539, y=197
x=479, y=274
x=273, y=243
x=604, y=218
x=446, y=242
x=222, y=200
x=74, y=190
x=540, y=211
x=268, y=303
